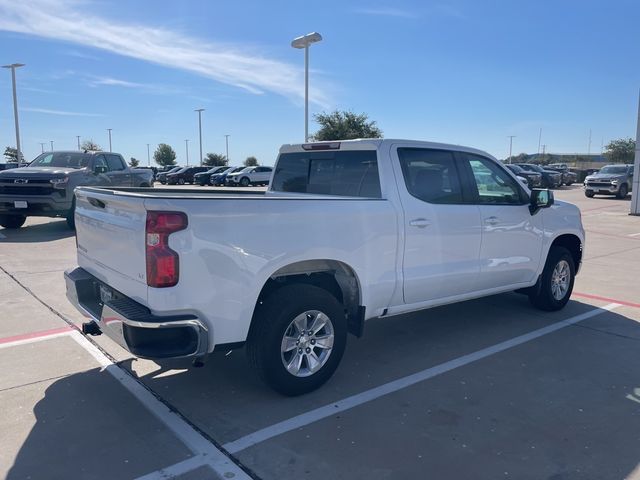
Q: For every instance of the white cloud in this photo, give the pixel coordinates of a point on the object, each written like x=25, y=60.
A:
x=69, y=20
x=387, y=12
x=159, y=89
x=60, y=112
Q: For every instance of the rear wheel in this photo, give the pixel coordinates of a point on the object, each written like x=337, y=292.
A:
x=297, y=339
x=623, y=191
x=71, y=215
x=12, y=221
x=555, y=285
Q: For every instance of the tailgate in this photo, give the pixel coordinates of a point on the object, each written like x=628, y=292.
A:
x=110, y=232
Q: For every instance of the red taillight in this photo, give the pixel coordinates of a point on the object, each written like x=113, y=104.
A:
x=163, y=264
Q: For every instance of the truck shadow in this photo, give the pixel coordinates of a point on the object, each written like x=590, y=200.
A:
x=41, y=232
x=575, y=387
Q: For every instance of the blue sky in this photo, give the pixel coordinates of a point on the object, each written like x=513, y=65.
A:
x=466, y=72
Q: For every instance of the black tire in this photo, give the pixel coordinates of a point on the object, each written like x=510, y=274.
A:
x=541, y=295
x=71, y=219
x=568, y=184
x=181, y=181
x=12, y=221
x=589, y=194
x=272, y=320
x=622, y=191
x=245, y=182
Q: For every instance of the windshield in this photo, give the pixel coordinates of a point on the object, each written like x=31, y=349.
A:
x=62, y=159
x=614, y=169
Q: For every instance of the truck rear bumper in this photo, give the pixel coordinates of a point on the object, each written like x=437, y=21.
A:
x=131, y=325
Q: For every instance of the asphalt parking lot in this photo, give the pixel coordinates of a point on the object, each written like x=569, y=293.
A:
x=485, y=389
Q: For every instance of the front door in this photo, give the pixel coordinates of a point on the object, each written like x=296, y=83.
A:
x=511, y=236
x=442, y=228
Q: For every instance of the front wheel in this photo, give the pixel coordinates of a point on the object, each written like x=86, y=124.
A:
x=245, y=182
x=297, y=339
x=555, y=285
x=12, y=221
x=623, y=191
x=181, y=181
x=589, y=194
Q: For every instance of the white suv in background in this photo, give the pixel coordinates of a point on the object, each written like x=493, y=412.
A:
x=250, y=176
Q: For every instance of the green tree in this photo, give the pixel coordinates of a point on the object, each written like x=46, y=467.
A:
x=90, y=145
x=133, y=163
x=621, y=150
x=214, y=160
x=251, y=162
x=11, y=154
x=345, y=125
x=164, y=155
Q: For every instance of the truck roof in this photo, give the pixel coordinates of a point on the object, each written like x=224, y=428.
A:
x=377, y=143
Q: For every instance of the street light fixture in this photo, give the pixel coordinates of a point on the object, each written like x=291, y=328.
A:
x=148, y=156
x=13, y=67
x=42, y=146
x=109, y=130
x=78, y=137
x=186, y=146
x=51, y=141
x=200, y=110
x=300, y=43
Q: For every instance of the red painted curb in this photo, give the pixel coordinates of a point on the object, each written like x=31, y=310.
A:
x=606, y=299
x=28, y=336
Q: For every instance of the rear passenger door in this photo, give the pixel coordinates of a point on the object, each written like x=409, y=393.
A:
x=441, y=225
x=511, y=236
x=261, y=174
x=118, y=172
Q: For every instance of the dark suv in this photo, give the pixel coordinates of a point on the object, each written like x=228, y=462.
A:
x=550, y=178
x=184, y=175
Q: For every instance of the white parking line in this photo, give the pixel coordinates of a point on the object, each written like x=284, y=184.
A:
x=634, y=234
x=395, y=385
x=205, y=451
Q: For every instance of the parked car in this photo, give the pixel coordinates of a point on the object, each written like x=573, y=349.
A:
x=250, y=176
x=534, y=179
x=204, y=178
x=550, y=178
x=162, y=176
x=289, y=272
x=221, y=177
x=45, y=188
x=184, y=175
x=568, y=177
x=7, y=166
x=610, y=180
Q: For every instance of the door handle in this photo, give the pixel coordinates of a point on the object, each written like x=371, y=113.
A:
x=492, y=220
x=420, y=222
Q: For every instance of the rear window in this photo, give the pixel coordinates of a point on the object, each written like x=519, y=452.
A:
x=349, y=173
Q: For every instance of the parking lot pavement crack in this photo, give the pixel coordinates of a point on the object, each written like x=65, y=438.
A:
x=606, y=332
x=57, y=377
x=123, y=371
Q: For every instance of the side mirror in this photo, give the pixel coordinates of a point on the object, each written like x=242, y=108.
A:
x=98, y=169
x=540, y=198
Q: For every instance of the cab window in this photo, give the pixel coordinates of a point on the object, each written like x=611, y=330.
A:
x=494, y=185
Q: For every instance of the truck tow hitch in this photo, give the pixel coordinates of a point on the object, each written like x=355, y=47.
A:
x=91, y=328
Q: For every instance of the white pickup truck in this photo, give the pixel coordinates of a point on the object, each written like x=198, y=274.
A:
x=347, y=231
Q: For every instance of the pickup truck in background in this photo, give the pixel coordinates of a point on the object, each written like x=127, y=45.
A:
x=347, y=231
x=610, y=180
x=45, y=187
x=568, y=177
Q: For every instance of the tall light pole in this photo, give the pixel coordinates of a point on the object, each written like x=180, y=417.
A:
x=13, y=67
x=148, y=156
x=226, y=141
x=539, y=140
x=51, y=141
x=186, y=146
x=589, y=147
x=109, y=130
x=42, y=146
x=300, y=43
x=635, y=188
x=511, y=137
x=78, y=137
x=200, y=110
